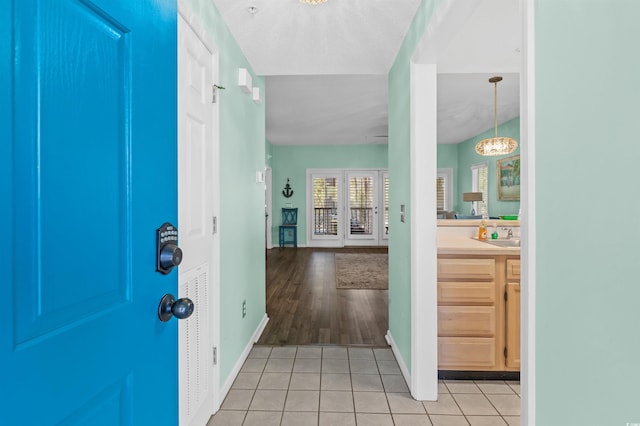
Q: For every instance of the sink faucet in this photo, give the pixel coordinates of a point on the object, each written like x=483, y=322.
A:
x=509, y=233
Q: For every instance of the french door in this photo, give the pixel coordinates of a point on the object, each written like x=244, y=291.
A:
x=384, y=216
x=348, y=207
x=325, y=208
x=362, y=207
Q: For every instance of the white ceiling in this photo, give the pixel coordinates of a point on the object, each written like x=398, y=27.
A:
x=326, y=66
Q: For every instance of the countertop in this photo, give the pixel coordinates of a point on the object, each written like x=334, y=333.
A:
x=458, y=244
x=475, y=222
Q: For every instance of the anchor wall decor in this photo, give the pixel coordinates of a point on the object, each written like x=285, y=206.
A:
x=287, y=191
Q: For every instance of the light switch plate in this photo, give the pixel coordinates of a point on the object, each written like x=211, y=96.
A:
x=402, y=213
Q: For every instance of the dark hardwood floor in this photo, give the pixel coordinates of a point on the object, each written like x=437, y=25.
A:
x=304, y=306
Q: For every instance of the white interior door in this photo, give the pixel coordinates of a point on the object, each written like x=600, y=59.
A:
x=197, y=168
x=362, y=207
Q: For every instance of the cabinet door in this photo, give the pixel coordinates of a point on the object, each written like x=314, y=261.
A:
x=513, y=325
x=467, y=353
x=451, y=269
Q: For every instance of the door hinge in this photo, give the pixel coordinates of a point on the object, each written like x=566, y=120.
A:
x=505, y=352
x=215, y=224
x=214, y=93
x=215, y=356
x=505, y=296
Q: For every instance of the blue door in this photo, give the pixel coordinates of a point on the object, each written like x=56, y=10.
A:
x=87, y=174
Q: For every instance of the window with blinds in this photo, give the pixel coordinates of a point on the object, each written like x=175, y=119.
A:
x=325, y=206
x=440, y=193
x=361, y=205
x=444, y=190
x=480, y=183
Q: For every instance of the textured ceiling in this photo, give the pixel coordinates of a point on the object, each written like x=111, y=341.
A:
x=286, y=37
x=327, y=65
x=327, y=109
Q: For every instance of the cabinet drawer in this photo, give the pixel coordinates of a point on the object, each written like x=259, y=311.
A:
x=470, y=321
x=513, y=269
x=466, y=353
x=466, y=268
x=458, y=293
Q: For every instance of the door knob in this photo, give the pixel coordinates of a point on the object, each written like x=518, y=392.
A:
x=170, y=307
x=170, y=256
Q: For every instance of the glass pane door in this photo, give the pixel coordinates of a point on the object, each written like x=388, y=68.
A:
x=362, y=208
x=325, y=217
x=384, y=217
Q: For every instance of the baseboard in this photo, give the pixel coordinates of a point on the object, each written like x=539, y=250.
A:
x=396, y=352
x=287, y=247
x=226, y=387
x=259, y=330
x=478, y=375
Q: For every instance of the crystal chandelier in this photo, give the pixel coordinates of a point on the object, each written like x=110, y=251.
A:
x=496, y=145
x=314, y=2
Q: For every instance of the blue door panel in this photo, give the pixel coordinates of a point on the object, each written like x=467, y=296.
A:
x=82, y=112
x=105, y=409
x=89, y=173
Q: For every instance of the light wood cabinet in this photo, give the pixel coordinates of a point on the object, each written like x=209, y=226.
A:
x=471, y=353
x=476, y=317
x=482, y=269
x=512, y=313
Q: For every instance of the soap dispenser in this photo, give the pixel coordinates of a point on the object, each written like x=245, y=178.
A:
x=482, y=230
x=494, y=234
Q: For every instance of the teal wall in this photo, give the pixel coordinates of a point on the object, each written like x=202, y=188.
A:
x=293, y=161
x=268, y=152
x=241, y=222
x=586, y=152
x=400, y=184
x=467, y=156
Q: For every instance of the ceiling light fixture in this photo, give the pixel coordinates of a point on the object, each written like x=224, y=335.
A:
x=496, y=145
x=313, y=2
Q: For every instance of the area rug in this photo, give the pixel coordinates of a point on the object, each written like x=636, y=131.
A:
x=362, y=271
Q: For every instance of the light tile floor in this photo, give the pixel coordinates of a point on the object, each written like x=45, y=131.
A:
x=348, y=386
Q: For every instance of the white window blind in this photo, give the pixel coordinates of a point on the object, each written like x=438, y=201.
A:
x=444, y=189
x=325, y=206
x=361, y=205
x=480, y=183
x=440, y=191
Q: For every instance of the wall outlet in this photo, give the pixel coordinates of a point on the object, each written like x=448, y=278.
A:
x=244, y=308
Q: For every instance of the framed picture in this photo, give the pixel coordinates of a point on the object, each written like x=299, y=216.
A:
x=508, y=170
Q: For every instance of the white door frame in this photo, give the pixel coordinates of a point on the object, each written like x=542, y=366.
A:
x=214, y=283
x=423, y=166
x=268, y=202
